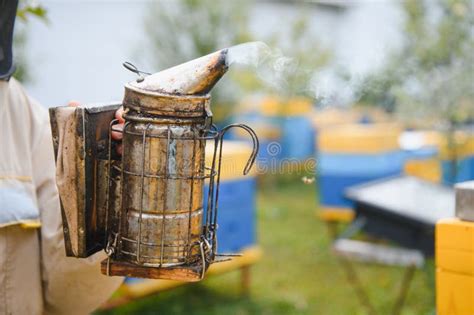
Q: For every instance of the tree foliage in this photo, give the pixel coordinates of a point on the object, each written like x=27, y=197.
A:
x=431, y=77
x=26, y=9
x=299, y=43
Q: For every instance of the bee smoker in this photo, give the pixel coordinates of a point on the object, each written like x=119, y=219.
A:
x=145, y=207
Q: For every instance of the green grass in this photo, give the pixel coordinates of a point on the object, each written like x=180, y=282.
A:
x=297, y=275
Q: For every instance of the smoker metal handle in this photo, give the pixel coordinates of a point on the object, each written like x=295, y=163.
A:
x=256, y=145
x=219, y=146
x=131, y=67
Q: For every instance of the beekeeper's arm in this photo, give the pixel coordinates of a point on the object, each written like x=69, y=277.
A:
x=70, y=285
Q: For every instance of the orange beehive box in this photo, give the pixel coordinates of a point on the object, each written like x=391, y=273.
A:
x=454, y=267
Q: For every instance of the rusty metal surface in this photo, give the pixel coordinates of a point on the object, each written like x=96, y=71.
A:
x=195, y=77
x=68, y=143
x=154, y=103
x=80, y=139
x=162, y=196
x=145, y=208
x=465, y=200
x=163, y=177
x=163, y=174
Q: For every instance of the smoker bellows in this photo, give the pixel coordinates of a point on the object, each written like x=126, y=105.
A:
x=145, y=208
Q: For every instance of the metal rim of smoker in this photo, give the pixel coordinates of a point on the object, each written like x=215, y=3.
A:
x=173, y=106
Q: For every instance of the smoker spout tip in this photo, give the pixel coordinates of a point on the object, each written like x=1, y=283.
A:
x=223, y=57
x=217, y=67
x=195, y=77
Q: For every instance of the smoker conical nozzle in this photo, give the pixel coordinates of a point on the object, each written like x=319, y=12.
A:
x=194, y=77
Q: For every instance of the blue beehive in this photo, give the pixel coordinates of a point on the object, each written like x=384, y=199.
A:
x=297, y=138
x=350, y=155
x=332, y=117
x=236, y=216
x=284, y=128
x=458, y=159
x=421, y=149
x=269, y=135
x=458, y=171
x=297, y=133
x=237, y=199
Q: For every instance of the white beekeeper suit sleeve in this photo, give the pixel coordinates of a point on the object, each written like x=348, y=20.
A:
x=69, y=285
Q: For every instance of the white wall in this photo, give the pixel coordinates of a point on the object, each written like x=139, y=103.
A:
x=79, y=54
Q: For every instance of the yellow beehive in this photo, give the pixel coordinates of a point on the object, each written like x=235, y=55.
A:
x=235, y=155
x=454, y=267
x=358, y=138
x=427, y=169
x=297, y=106
x=372, y=113
x=461, y=146
x=264, y=130
x=360, y=144
x=272, y=106
x=333, y=116
x=335, y=214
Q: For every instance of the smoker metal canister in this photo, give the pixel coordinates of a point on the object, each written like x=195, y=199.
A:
x=163, y=177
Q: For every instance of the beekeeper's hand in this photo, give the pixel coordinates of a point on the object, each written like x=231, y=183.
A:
x=117, y=134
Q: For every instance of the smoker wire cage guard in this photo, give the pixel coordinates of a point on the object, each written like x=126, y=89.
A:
x=161, y=222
